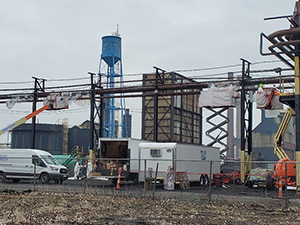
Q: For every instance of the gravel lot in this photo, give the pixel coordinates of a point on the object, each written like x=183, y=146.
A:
x=94, y=202
x=69, y=208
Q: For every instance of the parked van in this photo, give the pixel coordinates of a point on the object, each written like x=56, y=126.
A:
x=17, y=164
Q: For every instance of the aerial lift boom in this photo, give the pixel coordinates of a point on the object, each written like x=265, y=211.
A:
x=22, y=120
x=278, y=150
x=285, y=169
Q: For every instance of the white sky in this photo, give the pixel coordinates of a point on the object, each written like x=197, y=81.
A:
x=62, y=39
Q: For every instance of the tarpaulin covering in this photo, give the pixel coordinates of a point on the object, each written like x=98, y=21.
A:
x=218, y=97
x=267, y=98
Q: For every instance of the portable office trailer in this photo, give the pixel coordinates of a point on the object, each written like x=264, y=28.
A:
x=192, y=159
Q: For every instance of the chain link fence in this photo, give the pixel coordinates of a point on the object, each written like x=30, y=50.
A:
x=206, y=180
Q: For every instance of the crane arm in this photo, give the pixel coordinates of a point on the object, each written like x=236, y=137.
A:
x=22, y=120
x=278, y=150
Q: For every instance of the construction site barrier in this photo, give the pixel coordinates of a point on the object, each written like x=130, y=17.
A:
x=152, y=173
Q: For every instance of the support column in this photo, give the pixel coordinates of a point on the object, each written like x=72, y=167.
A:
x=246, y=131
x=39, y=85
x=33, y=126
x=297, y=115
x=155, y=109
x=230, y=138
x=92, y=111
x=243, y=144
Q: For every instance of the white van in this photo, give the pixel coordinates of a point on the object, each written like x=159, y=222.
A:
x=17, y=164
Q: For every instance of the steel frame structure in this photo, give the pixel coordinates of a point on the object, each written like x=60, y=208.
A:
x=110, y=66
x=223, y=133
x=285, y=45
x=246, y=122
x=39, y=86
x=168, y=118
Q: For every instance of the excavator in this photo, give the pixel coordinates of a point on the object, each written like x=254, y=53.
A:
x=285, y=167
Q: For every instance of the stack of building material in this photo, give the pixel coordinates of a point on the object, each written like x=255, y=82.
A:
x=183, y=180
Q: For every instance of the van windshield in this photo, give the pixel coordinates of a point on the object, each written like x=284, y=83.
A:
x=50, y=160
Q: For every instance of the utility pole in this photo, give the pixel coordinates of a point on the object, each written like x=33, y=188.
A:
x=39, y=86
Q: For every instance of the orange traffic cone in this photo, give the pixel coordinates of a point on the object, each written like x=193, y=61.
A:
x=280, y=189
x=119, y=179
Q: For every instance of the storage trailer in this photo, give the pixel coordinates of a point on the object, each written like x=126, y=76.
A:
x=131, y=155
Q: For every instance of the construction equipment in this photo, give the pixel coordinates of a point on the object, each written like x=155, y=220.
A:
x=278, y=150
x=22, y=120
x=52, y=102
x=285, y=46
x=284, y=167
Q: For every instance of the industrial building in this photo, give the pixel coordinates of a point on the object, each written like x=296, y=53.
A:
x=50, y=137
x=263, y=139
x=57, y=139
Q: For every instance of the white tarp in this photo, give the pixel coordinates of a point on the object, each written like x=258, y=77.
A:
x=267, y=98
x=218, y=97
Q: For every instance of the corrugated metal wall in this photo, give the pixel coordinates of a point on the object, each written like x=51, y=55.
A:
x=80, y=137
x=48, y=137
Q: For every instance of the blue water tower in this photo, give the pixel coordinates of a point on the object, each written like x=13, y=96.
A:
x=110, y=67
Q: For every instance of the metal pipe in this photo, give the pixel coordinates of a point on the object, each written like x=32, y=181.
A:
x=34, y=176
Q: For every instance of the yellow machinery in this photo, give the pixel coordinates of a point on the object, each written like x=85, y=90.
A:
x=278, y=150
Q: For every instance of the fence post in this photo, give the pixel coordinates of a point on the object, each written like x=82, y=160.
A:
x=286, y=184
x=145, y=176
x=34, y=176
x=86, y=176
x=209, y=181
x=155, y=180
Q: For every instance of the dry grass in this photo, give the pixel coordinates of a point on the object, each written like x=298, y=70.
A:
x=61, y=208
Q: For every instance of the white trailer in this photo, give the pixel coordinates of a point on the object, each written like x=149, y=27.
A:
x=192, y=159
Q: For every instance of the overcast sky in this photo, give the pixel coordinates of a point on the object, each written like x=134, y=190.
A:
x=62, y=39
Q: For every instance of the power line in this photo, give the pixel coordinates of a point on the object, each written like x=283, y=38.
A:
x=78, y=87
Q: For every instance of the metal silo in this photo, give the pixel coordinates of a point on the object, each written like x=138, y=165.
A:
x=110, y=67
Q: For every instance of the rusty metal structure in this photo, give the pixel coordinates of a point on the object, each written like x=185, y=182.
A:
x=285, y=45
x=172, y=118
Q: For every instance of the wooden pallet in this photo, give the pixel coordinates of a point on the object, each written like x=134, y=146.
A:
x=183, y=180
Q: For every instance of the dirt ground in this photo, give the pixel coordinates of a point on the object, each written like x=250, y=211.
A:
x=63, y=208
